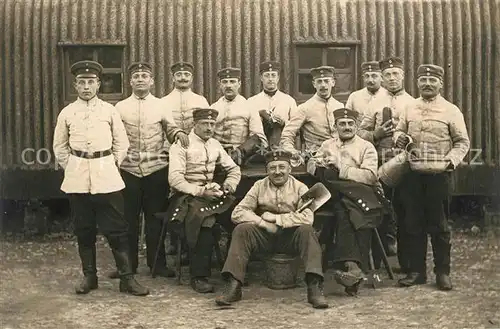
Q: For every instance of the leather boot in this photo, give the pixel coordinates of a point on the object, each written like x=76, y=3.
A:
x=201, y=285
x=443, y=282
x=351, y=279
x=232, y=292
x=412, y=279
x=315, y=295
x=128, y=284
x=88, y=258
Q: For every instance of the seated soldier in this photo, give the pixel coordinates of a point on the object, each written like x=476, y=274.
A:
x=347, y=165
x=267, y=220
x=238, y=128
x=190, y=175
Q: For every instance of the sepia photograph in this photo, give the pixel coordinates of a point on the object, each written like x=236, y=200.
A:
x=249, y=164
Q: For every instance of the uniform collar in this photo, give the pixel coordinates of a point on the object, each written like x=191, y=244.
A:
x=270, y=93
x=232, y=101
x=186, y=91
x=147, y=97
x=91, y=102
x=375, y=93
x=431, y=100
x=348, y=142
x=321, y=99
x=397, y=93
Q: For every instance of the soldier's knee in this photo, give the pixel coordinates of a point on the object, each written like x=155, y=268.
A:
x=306, y=230
x=243, y=229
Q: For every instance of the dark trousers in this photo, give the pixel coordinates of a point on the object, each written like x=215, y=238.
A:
x=424, y=196
x=392, y=228
x=148, y=194
x=200, y=257
x=248, y=238
x=350, y=245
x=103, y=211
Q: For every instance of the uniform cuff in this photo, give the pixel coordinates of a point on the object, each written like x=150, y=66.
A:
x=343, y=172
x=279, y=220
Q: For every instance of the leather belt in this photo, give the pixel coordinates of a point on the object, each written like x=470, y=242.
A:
x=91, y=155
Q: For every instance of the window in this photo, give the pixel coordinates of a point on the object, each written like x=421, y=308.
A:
x=341, y=56
x=111, y=57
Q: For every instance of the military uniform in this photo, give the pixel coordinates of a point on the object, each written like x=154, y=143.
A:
x=181, y=103
x=90, y=143
x=295, y=232
x=272, y=105
x=238, y=127
x=144, y=170
x=349, y=170
x=437, y=130
x=190, y=173
x=372, y=120
x=360, y=100
x=313, y=118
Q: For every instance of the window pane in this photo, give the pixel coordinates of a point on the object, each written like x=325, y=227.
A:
x=340, y=58
x=77, y=54
x=343, y=83
x=309, y=57
x=305, y=84
x=110, y=57
x=111, y=83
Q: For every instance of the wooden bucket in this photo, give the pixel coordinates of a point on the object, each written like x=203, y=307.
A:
x=281, y=271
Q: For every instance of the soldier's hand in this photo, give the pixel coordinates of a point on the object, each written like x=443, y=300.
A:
x=269, y=227
x=279, y=120
x=212, y=194
x=385, y=130
x=183, y=138
x=227, y=189
x=269, y=217
x=402, y=141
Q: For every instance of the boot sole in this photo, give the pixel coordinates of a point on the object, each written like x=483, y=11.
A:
x=320, y=306
x=404, y=284
x=84, y=292
x=126, y=291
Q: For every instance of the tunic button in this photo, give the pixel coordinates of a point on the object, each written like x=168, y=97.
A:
x=363, y=205
x=360, y=201
x=202, y=210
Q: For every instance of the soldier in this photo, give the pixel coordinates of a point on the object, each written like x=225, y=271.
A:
x=190, y=174
x=182, y=100
x=377, y=127
x=360, y=100
x=180, y=103
x=238, y=128
x=267, y=219
x=436, y=128
x=274, y=106
x=314, y=118
x=347, y=166
x=144, y=170
x=90, y=143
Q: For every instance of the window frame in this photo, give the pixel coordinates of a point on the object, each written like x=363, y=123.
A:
x=68, y=78
x=354, y=45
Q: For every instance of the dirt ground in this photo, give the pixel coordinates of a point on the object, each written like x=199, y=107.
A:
x=37, y=280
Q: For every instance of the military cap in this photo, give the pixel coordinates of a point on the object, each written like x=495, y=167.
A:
x=140, y=67
x=345, y=113
x=391, y=62
x=278, y=155
x=323, y=72
x=182, y=66
x=204, y=114
x=228, y=73
x=430, y=70
x=86, y=69
x=372, y=66
x=270, y=66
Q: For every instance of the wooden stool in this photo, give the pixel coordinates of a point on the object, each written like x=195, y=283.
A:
x=281, y=271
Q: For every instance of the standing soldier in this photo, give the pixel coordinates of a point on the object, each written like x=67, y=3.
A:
x=180, y=103
x=90, y=143
x=144, y=171
x=314, y=118
x=360, y=100
x=274, y=106
x=238, y=128
x=377, y=127
x=182, y=100
x=437, y=131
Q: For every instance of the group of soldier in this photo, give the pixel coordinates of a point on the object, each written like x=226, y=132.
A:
x=181, y=156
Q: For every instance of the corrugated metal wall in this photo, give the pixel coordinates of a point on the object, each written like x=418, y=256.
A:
x=462, y=36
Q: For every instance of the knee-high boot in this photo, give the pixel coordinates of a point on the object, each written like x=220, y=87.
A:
x=128, y=284
x=87, y=252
